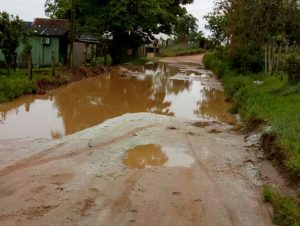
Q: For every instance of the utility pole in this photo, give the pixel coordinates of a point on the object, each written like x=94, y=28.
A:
x=73, y=16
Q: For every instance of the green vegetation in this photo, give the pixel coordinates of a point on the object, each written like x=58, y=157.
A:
x=104, y=61
x=130, y=23
x=258, y=34
x=10, y=33
x=275, y=102
x=286, y=209
x=18, y=84
x=15, y=85
x=257, y=62
x=136, y=61
x=180, y=50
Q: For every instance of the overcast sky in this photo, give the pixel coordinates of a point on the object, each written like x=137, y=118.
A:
x=29, y=9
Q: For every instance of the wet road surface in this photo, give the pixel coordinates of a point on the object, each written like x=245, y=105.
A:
x=138, y=168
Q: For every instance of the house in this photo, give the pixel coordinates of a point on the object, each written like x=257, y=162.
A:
x=49, y=36
x=85, y=49
x=160, y=40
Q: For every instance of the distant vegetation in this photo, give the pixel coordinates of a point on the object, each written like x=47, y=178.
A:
x=181, y=49
x=129, y=23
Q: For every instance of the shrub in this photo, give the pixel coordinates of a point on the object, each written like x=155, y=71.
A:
x=104, y=61
x=13, y=87
x=293, y=69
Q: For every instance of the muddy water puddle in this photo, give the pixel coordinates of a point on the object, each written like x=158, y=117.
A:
x=89, y=102
x=153, y=155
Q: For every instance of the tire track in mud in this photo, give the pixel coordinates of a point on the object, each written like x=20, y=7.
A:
x=120, y=205
x=230, y=213
x=37, y=159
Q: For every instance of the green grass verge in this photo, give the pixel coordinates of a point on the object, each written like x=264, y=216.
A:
x=286, y=209
x=274, y=101
x=277, y=103
x=180, y=50
x=17, y=83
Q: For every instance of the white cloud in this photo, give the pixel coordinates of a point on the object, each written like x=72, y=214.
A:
x=199, y=9
x=26, y=9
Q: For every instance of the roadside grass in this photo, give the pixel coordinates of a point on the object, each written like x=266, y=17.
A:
x=274, y=101
x=270, y=99
x=17, y=83
x=286, y=209
x=180, y=50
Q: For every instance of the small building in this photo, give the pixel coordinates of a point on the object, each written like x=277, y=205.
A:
x=85, y=49
x=50, y=36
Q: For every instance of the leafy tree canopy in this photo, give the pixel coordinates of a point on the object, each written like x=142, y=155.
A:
x=129, y=21
x=253, y=29
x=186, y=27
x=10, y=33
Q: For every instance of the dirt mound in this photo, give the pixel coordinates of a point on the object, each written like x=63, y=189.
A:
x=70, y=76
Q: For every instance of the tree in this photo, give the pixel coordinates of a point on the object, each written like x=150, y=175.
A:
x=217, y=24
x=258, y=32
x=129, y=22
x=186, y=27
x=10, y=33
x=58, y=8
x=27, y=47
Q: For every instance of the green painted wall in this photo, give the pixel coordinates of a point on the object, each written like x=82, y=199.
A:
x=41, y=54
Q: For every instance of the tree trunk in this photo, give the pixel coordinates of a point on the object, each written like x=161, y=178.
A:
x=119, y=47
x=53, y=64
x=30, y=67
x=266, y=58
x=135, y=51
x=269, y=58
x=15, y=62
x=8, y=69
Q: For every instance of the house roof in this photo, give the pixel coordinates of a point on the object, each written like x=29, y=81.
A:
x=50, y=27
x=86, y=38
x=26, y=25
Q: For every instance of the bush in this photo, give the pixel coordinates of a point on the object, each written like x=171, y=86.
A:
x=217, y=62
x=293, y=69
x=11, y=88
x=104, y=61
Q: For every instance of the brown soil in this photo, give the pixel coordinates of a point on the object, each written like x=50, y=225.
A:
x=278, y=155
x=70, y=76
x=188, y=176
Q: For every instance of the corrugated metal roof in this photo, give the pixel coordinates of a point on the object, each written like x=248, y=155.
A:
x=50, y=27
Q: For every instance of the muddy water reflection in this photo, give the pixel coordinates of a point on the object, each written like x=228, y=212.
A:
x=144, y=156
x=153, y=155
x=88, y=103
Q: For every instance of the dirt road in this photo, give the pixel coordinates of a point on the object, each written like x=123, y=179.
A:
x=137, y=169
